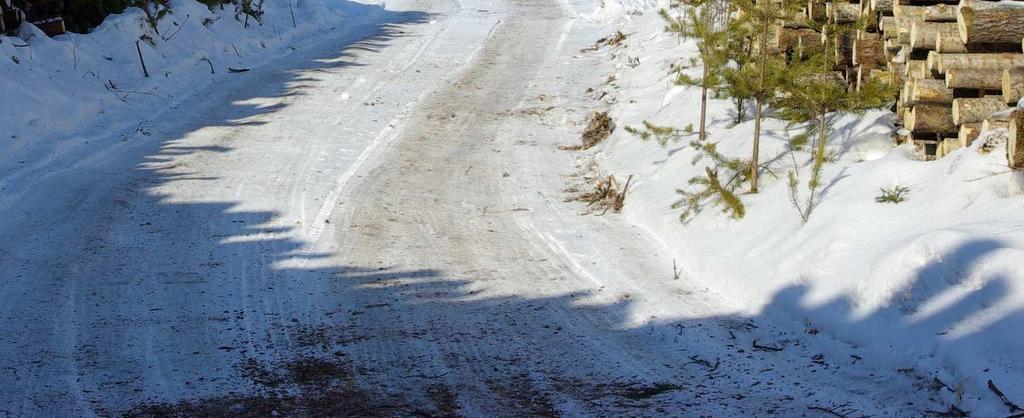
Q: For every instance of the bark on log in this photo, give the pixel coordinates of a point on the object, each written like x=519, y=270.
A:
x=1015, y=141
x=896, y=71
x=1012, y=85
x=917, y=69
x=885, y=7
x=809, y=45
x=1000, y=61
x=982, y=22
x=930, y=119
x=924, y=34
x=968, y=133
x=816, y=11
x=924, y=91
x=844, y=49
x=976, y=110
x=788, y=39
x=842, y=12
x=940, y=13
x=952, y=44
x=989, y=125
x=968, y=78
x=909, y=13
x=869, y=52
x=888, y=26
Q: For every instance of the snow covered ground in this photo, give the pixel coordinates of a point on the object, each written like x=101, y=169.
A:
x=373, y=220
x=935, y=283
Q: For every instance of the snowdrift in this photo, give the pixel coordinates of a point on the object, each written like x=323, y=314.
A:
x=60, y=90
x=933, y=285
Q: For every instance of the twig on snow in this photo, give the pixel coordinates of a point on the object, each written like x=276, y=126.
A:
x=766, y=347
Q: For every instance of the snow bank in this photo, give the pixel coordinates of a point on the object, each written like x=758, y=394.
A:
x=56, y=91
x=935, y=283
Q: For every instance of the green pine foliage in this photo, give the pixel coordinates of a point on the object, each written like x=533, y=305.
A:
x=722, y=177
x=663, y=135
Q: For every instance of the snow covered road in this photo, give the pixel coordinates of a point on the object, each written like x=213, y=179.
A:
x=377, y=225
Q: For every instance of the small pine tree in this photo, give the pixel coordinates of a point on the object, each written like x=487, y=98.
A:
x=810, y=93
x=706, y=24
x=767, y=68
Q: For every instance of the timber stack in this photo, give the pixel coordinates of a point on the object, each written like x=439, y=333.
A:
x=958, y=64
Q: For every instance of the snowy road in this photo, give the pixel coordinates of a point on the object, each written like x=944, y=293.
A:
x=377, y=225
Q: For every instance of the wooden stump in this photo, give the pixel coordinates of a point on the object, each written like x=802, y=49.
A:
x=976, y=110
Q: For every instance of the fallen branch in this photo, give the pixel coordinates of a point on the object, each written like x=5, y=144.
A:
x=765, y=347
x=1002, y=397
x=237, y=70
x=423, y=376
x=826, y=410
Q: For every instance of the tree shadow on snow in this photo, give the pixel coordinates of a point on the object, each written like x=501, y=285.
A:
x=157, y=304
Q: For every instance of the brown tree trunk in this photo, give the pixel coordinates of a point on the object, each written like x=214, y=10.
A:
x=976, y=110
x=981, y=22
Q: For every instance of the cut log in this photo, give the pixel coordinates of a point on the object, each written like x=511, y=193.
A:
x=968, y=133
x=896, y=71
x=981, y=22
x=885, y=7
x=940, y=13
x=788, y=39
x=917, y=69
x=946, y=146
x=924, y=34
x=968, y=78
x=1015, y=141
x=976, y=110
x=809, y=45
x=842, y=12
x=869, y=52
x=1012, y=85
x=908, y=13
x=930, y=119
x=1000, y=61
x=887, y=24
x=844, y=48
x=816, y=11
x=925, y=91
x=989, y=125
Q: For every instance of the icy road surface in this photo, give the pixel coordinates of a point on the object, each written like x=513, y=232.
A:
x=377, y=225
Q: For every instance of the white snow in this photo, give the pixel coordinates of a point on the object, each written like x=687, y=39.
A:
x=149, y=223
x=934, y=283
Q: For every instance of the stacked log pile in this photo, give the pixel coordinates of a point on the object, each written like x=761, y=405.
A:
x=959, y=64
